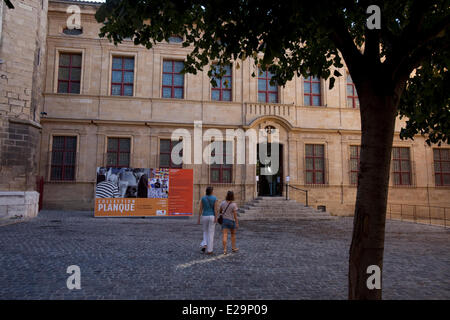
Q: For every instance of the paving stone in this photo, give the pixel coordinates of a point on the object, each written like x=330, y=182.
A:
x=160, y=259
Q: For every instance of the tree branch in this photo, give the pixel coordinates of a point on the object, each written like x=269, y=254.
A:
x=415, y=37
x=344, y=42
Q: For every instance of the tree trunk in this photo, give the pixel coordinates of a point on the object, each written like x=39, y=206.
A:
x=378, y=112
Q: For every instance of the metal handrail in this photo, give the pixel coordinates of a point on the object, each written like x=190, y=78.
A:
x=416, y=216
x=303, y=190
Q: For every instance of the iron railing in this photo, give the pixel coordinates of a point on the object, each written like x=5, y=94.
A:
x=298, y=189
x=433, y=215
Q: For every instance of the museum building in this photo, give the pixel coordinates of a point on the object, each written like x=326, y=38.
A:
x=117, y=106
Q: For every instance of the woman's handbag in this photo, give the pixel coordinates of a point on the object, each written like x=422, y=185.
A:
x=220, y=218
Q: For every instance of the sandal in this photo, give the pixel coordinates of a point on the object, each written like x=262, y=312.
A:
x=235, y=250
x=210, y=253
x=224, y=252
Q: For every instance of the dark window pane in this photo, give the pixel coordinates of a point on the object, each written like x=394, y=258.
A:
x=273, y=97
x=178, y=66
x=309, y=177
x=178, y=93
x=124, y=159
x=261, y=97
x=128, y=77
x=111, y=159
x=167, y=79
x=76, y=60
x=117, y=76
x=226, y=95
x=129, y=63
x=165, y=146
x=127, y=90
x=113, y=144
x=167, y=92
x=125, y=145
x=262, y=85
x=164, y=160
x=69, y=158
x=117, y=63
x=215, y=95
x=64, y=60
x=316, y=101
x=63, y=73
x=57, y=158
x=167, y=66
x=116, y=90
x=63, y=87
x=178, y=80
x=71, y=143
x=75, y=87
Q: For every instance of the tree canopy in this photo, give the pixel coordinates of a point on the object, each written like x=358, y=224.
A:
x=307, y=38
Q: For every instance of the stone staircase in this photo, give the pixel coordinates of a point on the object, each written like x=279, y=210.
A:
x=278, y=208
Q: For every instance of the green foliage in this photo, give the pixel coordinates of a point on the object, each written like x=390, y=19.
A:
x=425, y=103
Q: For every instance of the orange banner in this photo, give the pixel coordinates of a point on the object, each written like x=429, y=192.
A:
x=129, y=192
x=180, y=192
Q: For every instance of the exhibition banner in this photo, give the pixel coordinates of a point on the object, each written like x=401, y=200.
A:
x=142, y=192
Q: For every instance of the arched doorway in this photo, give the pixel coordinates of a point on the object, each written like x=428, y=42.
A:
x=270, y=177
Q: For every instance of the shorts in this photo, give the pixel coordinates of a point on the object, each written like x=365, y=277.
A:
x=228, y=224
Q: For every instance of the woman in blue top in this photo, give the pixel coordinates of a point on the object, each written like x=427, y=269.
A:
x=208, y=215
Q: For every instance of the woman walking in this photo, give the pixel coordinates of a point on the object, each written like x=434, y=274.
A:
x=228, y=209
x=208, y=214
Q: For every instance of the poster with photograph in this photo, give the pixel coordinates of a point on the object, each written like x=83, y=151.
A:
x=137, y=192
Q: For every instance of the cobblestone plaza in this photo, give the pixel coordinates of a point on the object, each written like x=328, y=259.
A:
x=160, y=259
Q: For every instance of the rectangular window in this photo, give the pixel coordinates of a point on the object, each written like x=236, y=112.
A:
x=311, y=86
x=354, y=164
x=352, y=95
x=122, y=77
x=172, y=79
x=165, y=154
x=442, y=167
x=118, y=152
x=222, y=91
x=221, y=172
x=401, y=166
x=266, y=91
x=315, y=164
x=64, y=151
x=69, y=73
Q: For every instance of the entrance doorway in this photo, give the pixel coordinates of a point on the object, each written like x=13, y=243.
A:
x=269, y=184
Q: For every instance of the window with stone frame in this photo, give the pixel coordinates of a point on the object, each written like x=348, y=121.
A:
x=352, y=95
x=267, y=92
x=441, y=159
x=118, y=152
x=222, y=90
x=69, y=72
x=401, y=164
x=315, y=164
x=172, y=79
x=165, y=153
x=122, y=76
x=354, y=164
x=312, y=91
x=222, y=172
x=64, y=150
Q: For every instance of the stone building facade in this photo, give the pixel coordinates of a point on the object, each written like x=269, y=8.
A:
x=118, y=105
x=23, y=35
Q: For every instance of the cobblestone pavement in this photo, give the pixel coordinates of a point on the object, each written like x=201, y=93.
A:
x=125, y=258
